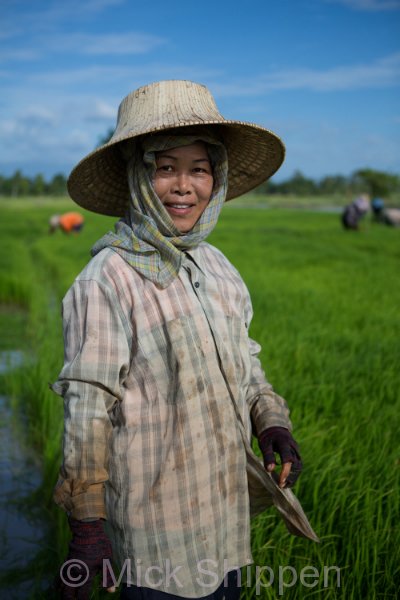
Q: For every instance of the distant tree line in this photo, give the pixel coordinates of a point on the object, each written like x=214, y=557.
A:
x=20, y=185
x=376, y=183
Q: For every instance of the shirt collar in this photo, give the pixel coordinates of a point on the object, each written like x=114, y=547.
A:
x=196, y=255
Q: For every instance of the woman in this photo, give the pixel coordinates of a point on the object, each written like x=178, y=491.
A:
x=162, y=385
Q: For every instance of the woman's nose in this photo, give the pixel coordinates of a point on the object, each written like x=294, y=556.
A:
x=182, y=184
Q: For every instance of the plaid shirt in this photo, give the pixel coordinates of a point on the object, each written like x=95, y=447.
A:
x=163, y=391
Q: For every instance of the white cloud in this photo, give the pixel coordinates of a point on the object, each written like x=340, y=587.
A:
x=377, y=74
x=38, y=18
x=103, y=75
x=42, y=142
x=369, y=5
x=318, y=149
x=101, y=111
x=19, y=54
x=98, y=5
x=8, y=127
x=126, y=78
x=32, y=123
x=109, y=43
x=77, y=139
x=10, y=32
x=39, y=115
x=381, y=73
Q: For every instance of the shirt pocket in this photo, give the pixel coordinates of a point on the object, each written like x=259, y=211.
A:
x=163, y=360
x=233, y=347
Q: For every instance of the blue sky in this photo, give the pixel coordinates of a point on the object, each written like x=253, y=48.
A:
x=322, y=74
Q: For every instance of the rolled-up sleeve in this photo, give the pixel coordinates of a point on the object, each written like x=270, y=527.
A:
x=96, y=361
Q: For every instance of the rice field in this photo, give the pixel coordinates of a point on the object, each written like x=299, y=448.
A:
x=327, y=315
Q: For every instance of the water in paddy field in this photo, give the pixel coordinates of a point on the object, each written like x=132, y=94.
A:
x=21, y=535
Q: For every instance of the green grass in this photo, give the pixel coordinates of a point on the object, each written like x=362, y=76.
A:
x=326, y=306
x=317, y=202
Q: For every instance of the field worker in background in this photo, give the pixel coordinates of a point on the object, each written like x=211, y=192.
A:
x=391, y=216
x=354, y=212
x=377, y=207
x=70, y=222
x=162, y=386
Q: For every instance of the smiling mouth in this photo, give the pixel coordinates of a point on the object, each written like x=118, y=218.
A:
x=175, y=205
x=178, y=210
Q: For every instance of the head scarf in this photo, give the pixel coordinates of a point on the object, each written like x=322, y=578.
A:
x=147, y=237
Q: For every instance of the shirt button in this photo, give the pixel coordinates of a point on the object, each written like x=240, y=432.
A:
x=196, y=284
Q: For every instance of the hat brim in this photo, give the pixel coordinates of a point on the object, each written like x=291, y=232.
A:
x=99, y=182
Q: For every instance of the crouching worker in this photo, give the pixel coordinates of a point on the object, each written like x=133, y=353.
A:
x=161, y=383
x=70, y=222
x=354, y=212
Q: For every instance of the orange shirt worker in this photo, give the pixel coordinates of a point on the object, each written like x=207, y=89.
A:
x=68, y=222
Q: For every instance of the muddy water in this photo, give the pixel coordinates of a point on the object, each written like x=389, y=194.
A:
x=20, y=535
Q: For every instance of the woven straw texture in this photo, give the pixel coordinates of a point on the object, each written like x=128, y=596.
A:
x=99, y=182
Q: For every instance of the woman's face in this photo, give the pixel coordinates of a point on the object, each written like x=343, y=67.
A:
x=184, y=182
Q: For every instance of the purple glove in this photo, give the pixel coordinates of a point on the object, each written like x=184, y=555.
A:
x=280, y=440
x=87, y=550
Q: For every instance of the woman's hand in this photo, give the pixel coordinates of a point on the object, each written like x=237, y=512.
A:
x=280, y=440
x=89, y=547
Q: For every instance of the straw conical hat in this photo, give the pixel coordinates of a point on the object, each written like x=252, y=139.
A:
x=99, y=182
